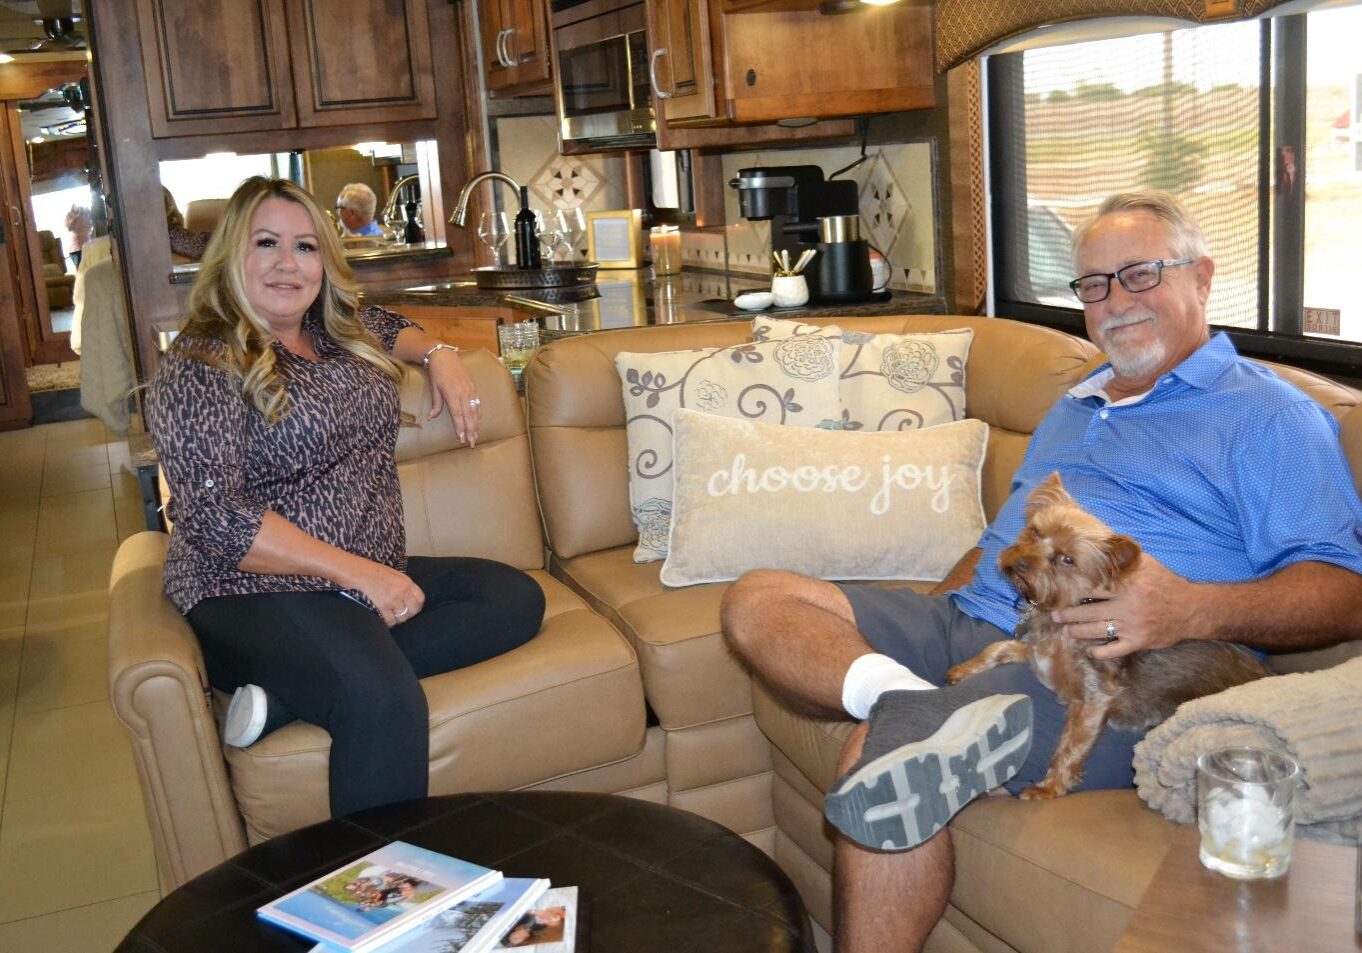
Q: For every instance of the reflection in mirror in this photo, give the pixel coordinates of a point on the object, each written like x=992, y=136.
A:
x=59, y=193
x=374, y=192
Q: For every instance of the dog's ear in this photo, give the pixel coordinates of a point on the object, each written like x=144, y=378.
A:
x=1050, y=492
x=1122, y=553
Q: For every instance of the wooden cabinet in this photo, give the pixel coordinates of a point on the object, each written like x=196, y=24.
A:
x=219, y=66
x=515, y=45
x=681, y=57
x=465, y=327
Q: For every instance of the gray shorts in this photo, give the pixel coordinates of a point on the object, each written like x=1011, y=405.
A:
x=928, y=634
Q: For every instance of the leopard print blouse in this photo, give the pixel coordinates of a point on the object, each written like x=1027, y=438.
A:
x=329, y=467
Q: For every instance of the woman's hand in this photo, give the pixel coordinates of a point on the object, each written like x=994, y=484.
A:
x=398, y=598
x=451, y=386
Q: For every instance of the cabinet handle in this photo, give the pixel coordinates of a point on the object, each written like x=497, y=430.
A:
x=501, y=48
x=512, y=58
x=652, y=73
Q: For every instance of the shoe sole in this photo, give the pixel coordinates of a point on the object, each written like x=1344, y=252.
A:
x=256, y=710
x=904, y=797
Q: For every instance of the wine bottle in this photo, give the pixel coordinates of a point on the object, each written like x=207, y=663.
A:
x=526, y=234
x=413, y=234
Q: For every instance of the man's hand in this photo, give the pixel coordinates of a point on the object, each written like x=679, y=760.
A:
x=1154, y=608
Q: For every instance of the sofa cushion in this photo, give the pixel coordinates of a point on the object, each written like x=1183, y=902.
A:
x=826, y=503
x=493, y=726
x=791, y=382
x=890, y=381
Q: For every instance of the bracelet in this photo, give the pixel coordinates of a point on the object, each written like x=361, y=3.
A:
x=425, y=361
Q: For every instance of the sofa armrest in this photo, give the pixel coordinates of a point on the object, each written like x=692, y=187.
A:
x=158, y=688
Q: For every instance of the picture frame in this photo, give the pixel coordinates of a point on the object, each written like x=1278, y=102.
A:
x=614, y=239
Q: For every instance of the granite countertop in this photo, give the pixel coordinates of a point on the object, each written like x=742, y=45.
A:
x=632, y=298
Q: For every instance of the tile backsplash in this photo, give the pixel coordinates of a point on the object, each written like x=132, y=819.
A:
x=894, y=186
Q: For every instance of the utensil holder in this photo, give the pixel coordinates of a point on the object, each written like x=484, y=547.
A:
x=789, y=291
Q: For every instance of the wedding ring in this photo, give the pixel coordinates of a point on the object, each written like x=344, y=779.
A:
x=1111, y=630
x=475, y=401
x=399, y=614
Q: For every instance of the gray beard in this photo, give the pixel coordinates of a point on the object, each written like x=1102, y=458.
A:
x=1137, y=361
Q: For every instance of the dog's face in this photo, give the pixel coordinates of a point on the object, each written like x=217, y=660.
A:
x=1063, y=552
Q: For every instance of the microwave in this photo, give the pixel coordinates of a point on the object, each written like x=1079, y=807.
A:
x=601, y=80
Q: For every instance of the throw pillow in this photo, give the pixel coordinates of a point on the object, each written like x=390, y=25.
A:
x=890, y=505
x=890, y=381
x=790, y=382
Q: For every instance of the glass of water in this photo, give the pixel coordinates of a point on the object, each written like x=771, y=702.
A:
x=1246, y=811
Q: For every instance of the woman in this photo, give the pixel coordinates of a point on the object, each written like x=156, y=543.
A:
x=275, y=415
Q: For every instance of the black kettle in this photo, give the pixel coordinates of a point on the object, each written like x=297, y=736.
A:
x=843, y=262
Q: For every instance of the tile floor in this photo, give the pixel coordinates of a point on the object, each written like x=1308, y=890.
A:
x=76, y=865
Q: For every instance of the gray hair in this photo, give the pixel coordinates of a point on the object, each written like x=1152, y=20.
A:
x=358, y=197
x=1184, y=234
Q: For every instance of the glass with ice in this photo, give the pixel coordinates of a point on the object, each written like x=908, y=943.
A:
x=1246, y=811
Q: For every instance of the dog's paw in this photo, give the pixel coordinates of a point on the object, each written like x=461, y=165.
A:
x=958, y=673
x=1040, y=792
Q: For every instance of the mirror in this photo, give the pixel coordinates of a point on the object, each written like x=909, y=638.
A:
x=373, y=191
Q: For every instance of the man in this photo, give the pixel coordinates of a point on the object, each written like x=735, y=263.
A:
x=355, y=205
x=1231, y=479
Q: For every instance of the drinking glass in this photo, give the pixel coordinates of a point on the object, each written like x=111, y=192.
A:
x=550, y=234
x=494, y=229
x=572, y=226
x=518, y=343
x=1245, y=811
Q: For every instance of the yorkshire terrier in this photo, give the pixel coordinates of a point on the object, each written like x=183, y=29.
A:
x=1063, y=554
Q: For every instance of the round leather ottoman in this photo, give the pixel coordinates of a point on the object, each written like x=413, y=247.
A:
x=651, y=878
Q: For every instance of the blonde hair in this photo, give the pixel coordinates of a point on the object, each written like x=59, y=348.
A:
x=219, y=309
x=1184, y=234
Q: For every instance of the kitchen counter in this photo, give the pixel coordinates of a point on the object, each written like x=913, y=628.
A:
x=630, y=298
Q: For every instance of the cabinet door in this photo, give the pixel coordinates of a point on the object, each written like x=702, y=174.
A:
x=215, y=66
x=358, y=61
x=515, y=44
x=681, y=60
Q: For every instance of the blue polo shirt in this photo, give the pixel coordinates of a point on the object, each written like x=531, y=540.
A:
x=1224, y=472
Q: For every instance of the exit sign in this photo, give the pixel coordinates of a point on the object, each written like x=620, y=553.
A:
x=1322, y=320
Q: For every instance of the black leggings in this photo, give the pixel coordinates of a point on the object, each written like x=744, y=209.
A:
x=333, y=662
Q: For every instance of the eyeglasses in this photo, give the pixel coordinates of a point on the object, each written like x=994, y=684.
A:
x=1141, y=276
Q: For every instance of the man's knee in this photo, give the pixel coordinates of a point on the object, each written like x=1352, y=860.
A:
x=749, y=601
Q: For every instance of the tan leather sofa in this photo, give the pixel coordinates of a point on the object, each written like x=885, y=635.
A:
x=563, y=710
x=1034, y=877
x=1044, y=877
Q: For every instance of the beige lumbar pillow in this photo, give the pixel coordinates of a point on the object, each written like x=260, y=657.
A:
x=890, y=505
x=890, y=381
x=791, y=383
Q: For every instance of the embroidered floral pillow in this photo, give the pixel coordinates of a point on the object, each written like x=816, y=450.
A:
x=890, y=381
x=887, y=505
x=791, y=382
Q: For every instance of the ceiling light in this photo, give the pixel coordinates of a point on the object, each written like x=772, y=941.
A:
x=6, y=58
x=36, y=139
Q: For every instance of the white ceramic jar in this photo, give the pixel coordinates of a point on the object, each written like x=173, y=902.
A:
x=789, y=291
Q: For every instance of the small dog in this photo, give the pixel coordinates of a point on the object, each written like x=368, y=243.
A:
x=1061, y=555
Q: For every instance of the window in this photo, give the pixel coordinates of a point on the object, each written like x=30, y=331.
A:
x=1255, y=126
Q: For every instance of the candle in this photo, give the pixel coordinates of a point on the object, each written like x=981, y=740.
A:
x=664, y=242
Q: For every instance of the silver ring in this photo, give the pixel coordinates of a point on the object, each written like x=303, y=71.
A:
x=475, y=401
x=400, y=614
x=1111, y=630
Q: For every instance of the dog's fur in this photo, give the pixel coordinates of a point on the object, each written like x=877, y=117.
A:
x=1061, y=556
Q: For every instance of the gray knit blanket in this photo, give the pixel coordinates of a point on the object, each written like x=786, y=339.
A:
x=1315, y=717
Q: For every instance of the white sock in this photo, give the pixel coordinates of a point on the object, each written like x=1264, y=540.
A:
x=870, y=676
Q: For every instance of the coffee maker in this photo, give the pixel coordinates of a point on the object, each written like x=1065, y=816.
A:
x=807, y=211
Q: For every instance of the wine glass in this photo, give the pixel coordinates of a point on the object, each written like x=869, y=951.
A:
x=494, y=229
x=572, y=226
x=546, y=225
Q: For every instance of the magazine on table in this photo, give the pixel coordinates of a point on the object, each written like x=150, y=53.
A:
x=551, y=926
x=474, y=925
x=378, y=897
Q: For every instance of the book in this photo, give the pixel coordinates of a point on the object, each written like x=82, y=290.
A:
x=373, y=900
x=550, y=927
x=474, y=925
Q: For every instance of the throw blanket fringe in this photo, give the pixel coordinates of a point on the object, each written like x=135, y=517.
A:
x=1315, y=717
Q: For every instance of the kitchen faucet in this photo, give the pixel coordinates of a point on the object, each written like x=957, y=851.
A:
x=394, y=196
x=526, y=244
